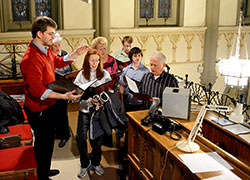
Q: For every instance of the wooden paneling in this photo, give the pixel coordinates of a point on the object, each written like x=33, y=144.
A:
x=161, y=148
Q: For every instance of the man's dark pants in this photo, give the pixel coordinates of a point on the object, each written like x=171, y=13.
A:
x=43, y=124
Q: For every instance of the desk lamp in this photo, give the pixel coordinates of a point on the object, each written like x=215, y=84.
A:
x=189, y=145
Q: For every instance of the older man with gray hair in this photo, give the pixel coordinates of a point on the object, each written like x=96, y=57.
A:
x=154, y=82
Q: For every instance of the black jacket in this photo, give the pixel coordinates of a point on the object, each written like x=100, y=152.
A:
x=111, y=116
x=10, y=112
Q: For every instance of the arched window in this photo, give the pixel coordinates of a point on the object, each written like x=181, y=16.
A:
x=17, y=15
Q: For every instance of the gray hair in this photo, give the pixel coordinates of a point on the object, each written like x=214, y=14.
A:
x=160, y=56
x=57, y=39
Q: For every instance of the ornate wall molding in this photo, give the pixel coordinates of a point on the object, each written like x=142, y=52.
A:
x=176, y=39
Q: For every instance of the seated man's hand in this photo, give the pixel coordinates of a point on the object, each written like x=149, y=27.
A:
x=153, y=98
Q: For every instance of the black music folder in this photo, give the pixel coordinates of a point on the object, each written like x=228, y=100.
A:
x=63, y=85
x=66, y=75
x=132, y=85
x=123, y=64
x=116, y=75
x=91, y=91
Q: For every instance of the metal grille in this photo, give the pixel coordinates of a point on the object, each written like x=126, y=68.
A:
x=11, y=54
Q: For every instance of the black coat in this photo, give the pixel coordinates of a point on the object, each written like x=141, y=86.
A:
x=111, y=116
x=10, y=112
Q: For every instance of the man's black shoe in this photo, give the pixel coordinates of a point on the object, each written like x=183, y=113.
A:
x=62, y=143
x=53, y=172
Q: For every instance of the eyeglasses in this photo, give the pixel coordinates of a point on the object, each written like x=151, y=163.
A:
x=51, y=33
x=94, y=61
x=127, y=46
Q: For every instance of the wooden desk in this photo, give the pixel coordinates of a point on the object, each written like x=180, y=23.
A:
x=228, y=141
x=221, y=137
x=157, y=146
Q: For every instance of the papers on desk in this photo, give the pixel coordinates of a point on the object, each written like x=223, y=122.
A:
x=228, y=175
x=205, y=162
x=237, y=129
x=195, y=107
x=246, y=137
x=223, y=121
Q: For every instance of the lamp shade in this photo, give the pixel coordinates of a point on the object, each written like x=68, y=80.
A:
x=236, y=71
x=234, y=67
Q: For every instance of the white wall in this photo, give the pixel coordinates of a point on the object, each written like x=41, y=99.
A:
x=77, y=14
x=122, y=13
x=194, y=12
x=228, y=12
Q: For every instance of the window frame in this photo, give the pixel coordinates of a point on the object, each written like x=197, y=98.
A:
x=8, y=24
x=247, y=17
x=155, y=21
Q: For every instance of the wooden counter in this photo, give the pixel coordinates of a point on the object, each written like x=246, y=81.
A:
x=158, y=145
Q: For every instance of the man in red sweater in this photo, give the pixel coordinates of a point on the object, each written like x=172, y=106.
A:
x=37, y=66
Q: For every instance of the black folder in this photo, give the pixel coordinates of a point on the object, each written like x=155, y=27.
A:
x=63, y=85
x=68, y=75
x=91, y=91
x=123, y=64
x=133, y=88
x=115, y=75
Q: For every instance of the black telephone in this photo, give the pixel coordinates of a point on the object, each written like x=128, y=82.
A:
x=162, y=125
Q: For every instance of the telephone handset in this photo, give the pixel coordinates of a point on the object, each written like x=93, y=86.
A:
x=161, y=124
x=151, y=112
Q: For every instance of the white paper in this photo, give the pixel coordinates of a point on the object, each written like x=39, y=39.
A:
x=86, y=85
x=205, y=162
x=132, y=85
x=195, y=107
x=223, y=121
x=246, y=137
x=18, y=96
x=227, y=175
x=237, y=129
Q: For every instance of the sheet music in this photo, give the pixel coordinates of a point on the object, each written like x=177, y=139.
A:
x=86, y=85
x=237, y=129
x=205, y=162
x=132, y=85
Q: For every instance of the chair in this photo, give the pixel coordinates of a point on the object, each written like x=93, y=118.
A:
x=18, y=163
x=24, y=130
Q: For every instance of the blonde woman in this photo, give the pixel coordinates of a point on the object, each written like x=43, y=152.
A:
x=109, y=62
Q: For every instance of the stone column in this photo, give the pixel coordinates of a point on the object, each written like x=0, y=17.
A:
x=211, y=37
x=96, y=15
x=102, y=19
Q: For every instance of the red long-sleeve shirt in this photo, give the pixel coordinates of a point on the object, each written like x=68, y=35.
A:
x=38, y=70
